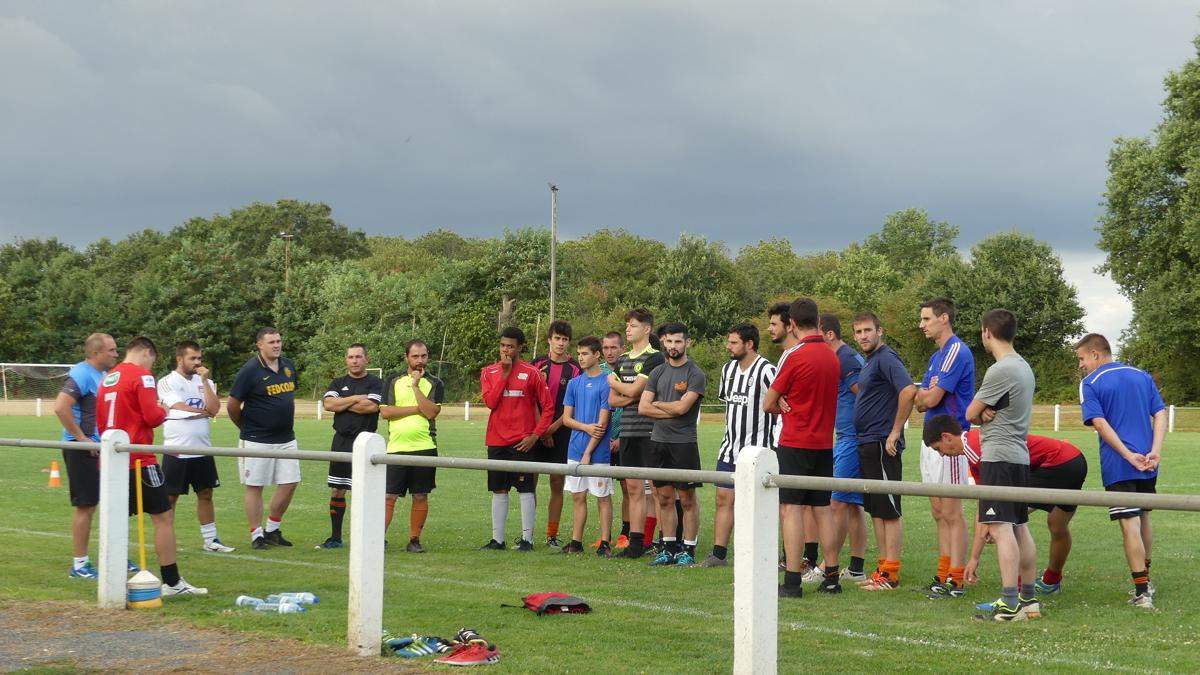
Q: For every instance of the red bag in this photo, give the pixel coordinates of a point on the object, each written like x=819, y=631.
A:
x=554, y=603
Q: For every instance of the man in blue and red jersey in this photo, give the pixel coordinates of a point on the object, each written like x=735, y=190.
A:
x=1123, y=405
x=557, y=368
x=805, y=393
x=522, y=411
x=128, y=398
x=948, y=388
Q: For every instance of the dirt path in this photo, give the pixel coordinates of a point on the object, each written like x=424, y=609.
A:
x=78, y=637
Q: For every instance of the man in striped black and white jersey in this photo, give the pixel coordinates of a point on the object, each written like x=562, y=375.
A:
x=744, y=383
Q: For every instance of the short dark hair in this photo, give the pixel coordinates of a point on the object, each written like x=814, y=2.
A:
x=590, y=343
x=558, y=327
x=513, y=333
x=937, y=425
x=672, y=329
x=748, y=332
x=182, y=348
x=782, y=310
x=358, y=345
x=831, y=324
x=863, y=317
x=803, y=312
x=941, y=306
x=413, y=343
x=615, y=334
x=641, y=315
x=140, y=343
x=1094, y=341
x=1001, y=323
x=264, y=331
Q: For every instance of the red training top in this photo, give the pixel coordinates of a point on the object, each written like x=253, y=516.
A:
x=128, y=399
x=520, y=405
x=808, y=380
x=1043, y=451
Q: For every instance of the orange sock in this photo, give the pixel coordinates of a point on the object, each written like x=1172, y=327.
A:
x=891, y=569
x=943, y=567
x=956, y=575
x=880, y=564
x=552, y=529
x=416, y=519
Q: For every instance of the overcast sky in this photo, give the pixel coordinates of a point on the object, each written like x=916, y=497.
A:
x=739, y=121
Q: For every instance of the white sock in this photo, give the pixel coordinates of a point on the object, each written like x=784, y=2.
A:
x=81, y=560
x=209, y=532
x=689, y=542
x=499, y=516
x=528, y=515
x=256, y=533
x=272, y=524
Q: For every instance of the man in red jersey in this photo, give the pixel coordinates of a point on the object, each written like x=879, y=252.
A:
x=1053, y=464
x=522, y=411
x=128, y=398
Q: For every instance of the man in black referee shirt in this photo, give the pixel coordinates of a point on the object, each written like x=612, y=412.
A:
x=354, y=400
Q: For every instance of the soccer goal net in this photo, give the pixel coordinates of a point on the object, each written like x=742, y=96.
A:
x=24, y=385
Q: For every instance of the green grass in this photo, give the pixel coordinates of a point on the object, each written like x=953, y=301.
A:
x=674, y=620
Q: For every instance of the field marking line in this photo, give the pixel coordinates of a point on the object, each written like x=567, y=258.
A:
x=689, y=611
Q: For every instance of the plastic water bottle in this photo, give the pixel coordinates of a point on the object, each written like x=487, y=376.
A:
x=280, y=608
x=247, y=601
x=298, y=598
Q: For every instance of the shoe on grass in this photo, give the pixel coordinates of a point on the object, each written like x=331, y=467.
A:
x=215, y=546
x=524, y=546
x=493, y=545
x=276, y=538
x=259, y=543
x=84, y=571
x=414, y=546
x=331, y=543
x=714, y=561
x=182, y=588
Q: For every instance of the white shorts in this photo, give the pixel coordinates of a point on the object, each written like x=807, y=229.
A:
x=937, y=468
x=599, y=487
x=261, y=471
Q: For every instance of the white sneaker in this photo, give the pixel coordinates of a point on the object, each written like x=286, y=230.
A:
x=1144, y=601
x=856, y=577
x=813, y=575
x=215, y=546
x=182, y=588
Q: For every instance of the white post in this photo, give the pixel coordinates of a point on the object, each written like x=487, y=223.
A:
x=364, y=618
x=114, y=521
x=38, y=407
x=320, y=410
x=1057, y=416
x=755, y=575
x=467, y=411
x=1171, y=419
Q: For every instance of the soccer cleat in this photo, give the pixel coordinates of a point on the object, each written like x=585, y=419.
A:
x=1029, y=608
x=130, y=566
x=832, y=587
x=813, y=575
x=664, y=557
x=417, y=646
x=631, y=552
x=1003, y=612
x=1044, y=588
x=467, y=636
x=571, y=548
x=856, y=577
x=935, y=586
x=552, y=542
x=714, y=561
x=276, y=538
x=791, y=591
x=86, y=571
x=685, y=559
x=987, y=606
x=258, y=544
x=182, y=588
x=215, y=546
x=330, y=543
x=950, y=589
x=414, y=546
x=879, y=582
x=604, y=550
x=1143, y=601
x=493, y=545
x=524, y=546
x=471, y=655
x=622, y=541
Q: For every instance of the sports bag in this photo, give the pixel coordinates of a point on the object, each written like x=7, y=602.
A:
x=554, y=603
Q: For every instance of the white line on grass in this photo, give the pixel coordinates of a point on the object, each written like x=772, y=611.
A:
x=690, y=611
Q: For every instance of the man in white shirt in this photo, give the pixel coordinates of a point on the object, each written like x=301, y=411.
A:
x=191, y=401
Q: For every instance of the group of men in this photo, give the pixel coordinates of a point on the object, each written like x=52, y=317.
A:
x=825, y=409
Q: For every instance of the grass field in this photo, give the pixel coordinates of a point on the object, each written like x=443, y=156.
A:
x=644, y=619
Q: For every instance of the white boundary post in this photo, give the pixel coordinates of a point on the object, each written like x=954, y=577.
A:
x=1057, y=416
x=466, y=411
x=364, y=618
x=38, y=407
x=1171, y=419
x=755, y=575
x=320, y=410
x=114, y=521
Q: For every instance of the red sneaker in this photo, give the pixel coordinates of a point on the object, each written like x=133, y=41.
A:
x=622, y=542
x=474, y=654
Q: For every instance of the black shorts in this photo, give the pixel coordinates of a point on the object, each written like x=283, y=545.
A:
x=199, y=473
x=636, y=451
x=675, y=456
x=83, y=477
x=876, y=464
x=1140, y=485
x=1009, y=475
x=154, y=491
x=419, y=480
x=556, y=454
x=1069, y=475
x=503, y=481
x=340, y=472
x=803, y=462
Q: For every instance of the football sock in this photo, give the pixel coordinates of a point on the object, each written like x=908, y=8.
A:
x=719, y=552
x=690, y=547
x=255, y=533
x=1008, y=595
x=552, y=529
x=625, y=528
x=678, y=519
x=528, y=514
x=810, y=553
x=1141, y=582
x=648, y=537
x=273, y=524
x=170, y=574
x=1027, y=591
x=956, y=575
x=80, y=561
x=879, y=564
x=209, y=532
x=856, y=565
x=499, y=516
x=831, y=573
x=792, y=579
x=891, y=569
x=943, y=568
x=576, y=544
x=337, y=514
x=671, y=544
x=636, y=541
x=1051, y=577
x=416, y=519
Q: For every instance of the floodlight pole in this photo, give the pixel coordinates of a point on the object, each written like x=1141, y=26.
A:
x=287, y=256
x=553, y=247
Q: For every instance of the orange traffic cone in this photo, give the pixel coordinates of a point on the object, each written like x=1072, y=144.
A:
x=55, y=477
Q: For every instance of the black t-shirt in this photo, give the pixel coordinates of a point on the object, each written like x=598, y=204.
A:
x=349, y=423
x=268, y=400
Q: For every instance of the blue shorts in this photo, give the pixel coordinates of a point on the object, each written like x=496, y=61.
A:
x=722, y=465
x=845, y=465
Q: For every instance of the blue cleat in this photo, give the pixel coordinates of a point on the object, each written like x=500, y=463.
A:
x=987, y=606
x=685, y=559
x=1044, y=588
x=664, y=558
x=85, y=572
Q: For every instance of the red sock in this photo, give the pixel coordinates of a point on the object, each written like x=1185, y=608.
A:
x=1051, y=576
x=648, y=531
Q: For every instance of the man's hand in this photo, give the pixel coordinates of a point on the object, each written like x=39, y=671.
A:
x=614, y=445
x=969, y=575
x=1139, y=462
x=527, y=443
x=587, y=458
x=987, y=415
x=783, y=405
x=593, y=430
x=416, y=374
x=506, y=361
x=892, y=445
x=548, y=439
x=203, y=373
x=1154, y=458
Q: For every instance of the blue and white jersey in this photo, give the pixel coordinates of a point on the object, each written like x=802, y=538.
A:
x=1126, y=397
x=82, y=383
x=954, y=367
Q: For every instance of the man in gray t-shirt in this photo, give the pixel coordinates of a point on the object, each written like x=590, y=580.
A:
x=672, y=399
x=1003, y=405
